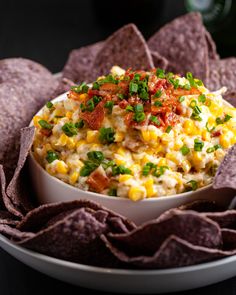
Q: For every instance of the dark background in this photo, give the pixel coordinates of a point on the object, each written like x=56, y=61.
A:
x=46, y=31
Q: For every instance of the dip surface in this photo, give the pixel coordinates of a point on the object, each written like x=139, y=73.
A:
x=136, y=134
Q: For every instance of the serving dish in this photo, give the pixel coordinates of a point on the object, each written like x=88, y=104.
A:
x=50, y=189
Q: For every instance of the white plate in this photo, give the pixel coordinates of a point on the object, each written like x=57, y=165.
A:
x=125, y=281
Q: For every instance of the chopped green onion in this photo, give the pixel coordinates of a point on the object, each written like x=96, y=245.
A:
x=51, y=156
x=158, y=103
x=219, y=121
x=181, y=98
x=106, y=135
x=82, y=88
x=208, y=129
x=196, y=117
x=139, y=117
x=97, y=99
x=160, y=73
x=96, y=86
x=217, y=146
x=227, y=118
x=137, y=77
x=160, y=171
x=147, y=168
x=129, y=108
x=198, y=145
x=193, y=184
x=69, y=129
x=88, y=168
x=155, y=120
x=95, y=156
x=45, y=125
x=109, y=105
x=79, y=124
x=197, y=110
x=143, y=94
x=90, y=105
x=210, y=150
x=49, y=104
x=120, y=96
x=158, y=93
x=133, y=87
x=116, y=170
x=185, y=150
x=138, y=108
x=202, y=98
x=168, y=129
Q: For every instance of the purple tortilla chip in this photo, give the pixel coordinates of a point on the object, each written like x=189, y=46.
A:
x=125, y=48
x=14, y=233
x=64, y=86
x=202, y=206
x=212, y=52
x=72, y=231
x=78, y=67
x=17, y=190
x=222, y=73
x=31, y=78
x=226, y=219
x=188, y=225
x=230, y=97
x=182, y=42
x=226, y=174
x=159, y=61
x=229, y=239
x=174, y=252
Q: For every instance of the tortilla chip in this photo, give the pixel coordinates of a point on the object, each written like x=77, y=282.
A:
x=30, y=78
x=225, y=219
x=125, y=48
x=64, y=85
x=188, y=225
x=78, y=67
x=230, y=97
x=18, y=189
x=202, y=206
x=212, y=52
x=11, y=232
x=226, y=174
x=159, y=61
x=72, y=231
x=222, y=73
x=183, y=43
x=229, y=239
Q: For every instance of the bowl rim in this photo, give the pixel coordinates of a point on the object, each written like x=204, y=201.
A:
x=61, y=97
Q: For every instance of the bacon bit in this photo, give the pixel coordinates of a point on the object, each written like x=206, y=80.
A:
x=181, y=92
x=216, y=133
x=98, y=180
x=155, y=84
x=46, y=132
x=179, y=109
x=95, y=118
x=109, y=87
x=123, y=104
x=73, y=95
x=170, y=119
x=123, y=87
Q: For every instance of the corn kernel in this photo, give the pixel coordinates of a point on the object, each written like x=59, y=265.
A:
x=145, y=160
x=59, y=112
x=165, y=138
x=69, y=115
x=92, y=136
x=225, y=139
x=61, y=167
x=189, y=127
x=162, y=162
x=137, y=193
x=186, y=166
x=124, y=177
x=119, y=136
x=119, y=162
x=62, y=141
x=149, y=188
x=36, y=121
x=196, y=158
x=71, y=143
x=80, y=142
x=83, y=96
x=96, y=146
x=48, y=147
x=121, y=151
x=211, y=121
x=145, y=135
x=206, y=135
x=215, y=109
x=74, y=177
x=135, y=168
x=178, y=144
x=172, y=157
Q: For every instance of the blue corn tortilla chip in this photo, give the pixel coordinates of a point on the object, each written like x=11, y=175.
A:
x=18, y=190
x=78, y=67
x=222, y=73
x=159, y=61
x=226, y=174
x=125, y=48
x=183, y=43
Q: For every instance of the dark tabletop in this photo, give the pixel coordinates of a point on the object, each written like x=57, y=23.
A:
x=46, y=31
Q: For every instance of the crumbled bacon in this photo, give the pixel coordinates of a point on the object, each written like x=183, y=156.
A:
x=216, y=133
x=95, y=118
x=46, y=132
x=98, y=180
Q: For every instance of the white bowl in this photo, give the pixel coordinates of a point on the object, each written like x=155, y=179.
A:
x=49, y=189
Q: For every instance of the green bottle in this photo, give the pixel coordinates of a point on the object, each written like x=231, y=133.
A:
x=219, y=16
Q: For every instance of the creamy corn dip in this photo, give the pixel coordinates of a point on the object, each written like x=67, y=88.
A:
x=136, y=134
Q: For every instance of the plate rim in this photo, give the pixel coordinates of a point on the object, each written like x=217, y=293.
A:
x=117, y=271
